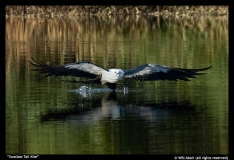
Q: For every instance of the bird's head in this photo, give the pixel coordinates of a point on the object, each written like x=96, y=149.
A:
x=113, y=75
x=118, y=72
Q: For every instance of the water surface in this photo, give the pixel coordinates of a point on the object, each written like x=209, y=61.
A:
x=45, y=115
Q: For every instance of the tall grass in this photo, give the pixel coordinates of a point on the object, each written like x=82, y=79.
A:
x=33, y=33
x=75, y=11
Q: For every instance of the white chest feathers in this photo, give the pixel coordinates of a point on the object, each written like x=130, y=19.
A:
x=112, y=76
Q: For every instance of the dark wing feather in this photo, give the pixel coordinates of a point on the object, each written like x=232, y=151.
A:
x=151, y=72
x=78, y=69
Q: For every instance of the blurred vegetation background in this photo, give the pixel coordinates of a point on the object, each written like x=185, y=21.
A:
x=81, y=10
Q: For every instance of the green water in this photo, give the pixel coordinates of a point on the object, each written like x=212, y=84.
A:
x=47, y=115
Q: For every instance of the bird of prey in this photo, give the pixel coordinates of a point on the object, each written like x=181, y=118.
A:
x=145, y=72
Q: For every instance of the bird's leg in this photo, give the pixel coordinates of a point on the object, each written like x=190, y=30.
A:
x=112, y=86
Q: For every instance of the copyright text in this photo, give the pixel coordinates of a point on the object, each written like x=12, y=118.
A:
x=201, y=157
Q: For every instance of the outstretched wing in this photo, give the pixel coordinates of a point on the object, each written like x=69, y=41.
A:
x=151, y=72
x=78, y=69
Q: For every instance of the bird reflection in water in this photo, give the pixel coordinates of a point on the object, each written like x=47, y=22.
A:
x=109, y=105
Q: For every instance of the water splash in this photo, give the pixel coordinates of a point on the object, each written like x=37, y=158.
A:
x=88, y=89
